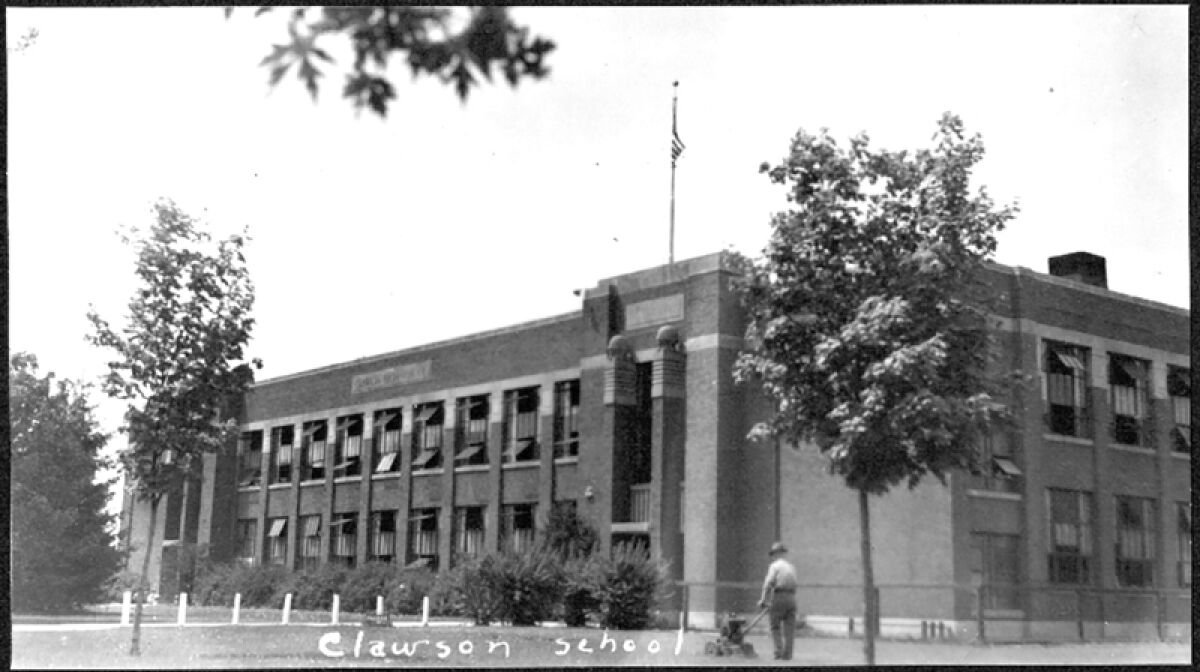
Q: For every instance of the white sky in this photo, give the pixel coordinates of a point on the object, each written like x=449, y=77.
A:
x=374, y=235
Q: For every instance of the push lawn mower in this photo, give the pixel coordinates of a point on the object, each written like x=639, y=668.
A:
x=732, y=639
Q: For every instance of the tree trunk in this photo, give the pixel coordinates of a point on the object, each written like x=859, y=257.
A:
x=869, y=606
x=135, y=648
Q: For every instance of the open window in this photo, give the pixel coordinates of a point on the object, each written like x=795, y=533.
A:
x=310, y=542
x=428, y=421
x=344, y=528
x=383, y=536
x=1127, y=381
x=423, y=538
x=282, y=440
x=387, y=441
x=470, y=441
x=1066, y=374
x=250, y=446
x=314, y=443
x=1179, y=388
x=468, y=531
x=518, y=529
x=277, y=541
x=520, y=425
x=566, y=418
x=348, y=453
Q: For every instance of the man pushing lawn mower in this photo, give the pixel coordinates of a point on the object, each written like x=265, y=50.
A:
x=781, y=585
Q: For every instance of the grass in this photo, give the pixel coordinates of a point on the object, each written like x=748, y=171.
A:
x=271, y=646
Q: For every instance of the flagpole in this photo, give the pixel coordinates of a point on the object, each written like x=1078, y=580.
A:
x=674, y=134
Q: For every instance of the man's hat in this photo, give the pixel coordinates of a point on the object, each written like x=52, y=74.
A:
x=777, y=547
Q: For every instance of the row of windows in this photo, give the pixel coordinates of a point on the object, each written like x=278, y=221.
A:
x=1068, y=394
x=1071, y=549
x=995, y=558
x=517, y=533
x=310, y=457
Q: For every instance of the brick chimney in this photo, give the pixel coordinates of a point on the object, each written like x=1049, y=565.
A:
x=1082, y=267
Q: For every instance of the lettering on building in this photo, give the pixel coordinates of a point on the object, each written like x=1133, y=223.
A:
x=654, y=311
x=391, y=377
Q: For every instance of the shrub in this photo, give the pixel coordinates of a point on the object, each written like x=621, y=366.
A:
x=577, y=599
x=313, y=590
x=462, y=591
x=363, y=584
x=568, y=535
x=217, y=584
x=526, y=587
x=117, y=584
x=627, y=586
x=406, y=589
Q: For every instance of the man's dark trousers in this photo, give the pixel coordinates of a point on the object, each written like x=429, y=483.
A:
x=783, y=622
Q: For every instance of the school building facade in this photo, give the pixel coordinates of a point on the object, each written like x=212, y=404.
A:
x=627, y=411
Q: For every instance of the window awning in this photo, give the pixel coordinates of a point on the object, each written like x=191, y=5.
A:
x=251, y=478
x=424, y=458
x=1070, y=361
x=312, y=526
x=313, y=429
x=1007, y=466
x=1185, y=435
x=1132, y=369
x=278, y=526
x=519, y=447
x=385, y=417
x=467, y=453
x=428, y=413
x=385, y=463
x=418, y=563
x=421, y=517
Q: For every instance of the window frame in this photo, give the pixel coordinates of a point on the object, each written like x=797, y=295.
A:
x=1067, y=359
x=510, y=541
x=388, y=423
x=470, y=447
x=1179, y=395
x=423, y=520
x=247, y=532
x=312, y=469
x=1082, y=561
x=1135, y=572
x=1128, y=389
x=521, y=448
x=280, y=467
x=249, y=450
x=464, y=531
x=347, y=442
x=429, y=421
x=566, y=418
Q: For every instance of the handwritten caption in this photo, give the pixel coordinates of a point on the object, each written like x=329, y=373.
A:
x=330, y=645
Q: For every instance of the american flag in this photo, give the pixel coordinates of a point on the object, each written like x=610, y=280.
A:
x=676, y=144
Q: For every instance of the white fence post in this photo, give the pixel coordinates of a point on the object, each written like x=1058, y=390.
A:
x=182, y=618
x=337, y=603
x=425, y=610
x=126, y=605
x=379, y=605
x=237, y=607
x=287, y=608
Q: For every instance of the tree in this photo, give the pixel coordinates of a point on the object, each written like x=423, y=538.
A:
x=62, y=552
x=179, y=359
x=435, y=42
x=867, y=322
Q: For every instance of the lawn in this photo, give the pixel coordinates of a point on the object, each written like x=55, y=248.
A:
x=315, y=645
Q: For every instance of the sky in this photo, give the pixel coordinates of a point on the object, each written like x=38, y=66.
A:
x=372, y=235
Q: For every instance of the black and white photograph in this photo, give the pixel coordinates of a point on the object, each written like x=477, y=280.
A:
x=592, y=336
